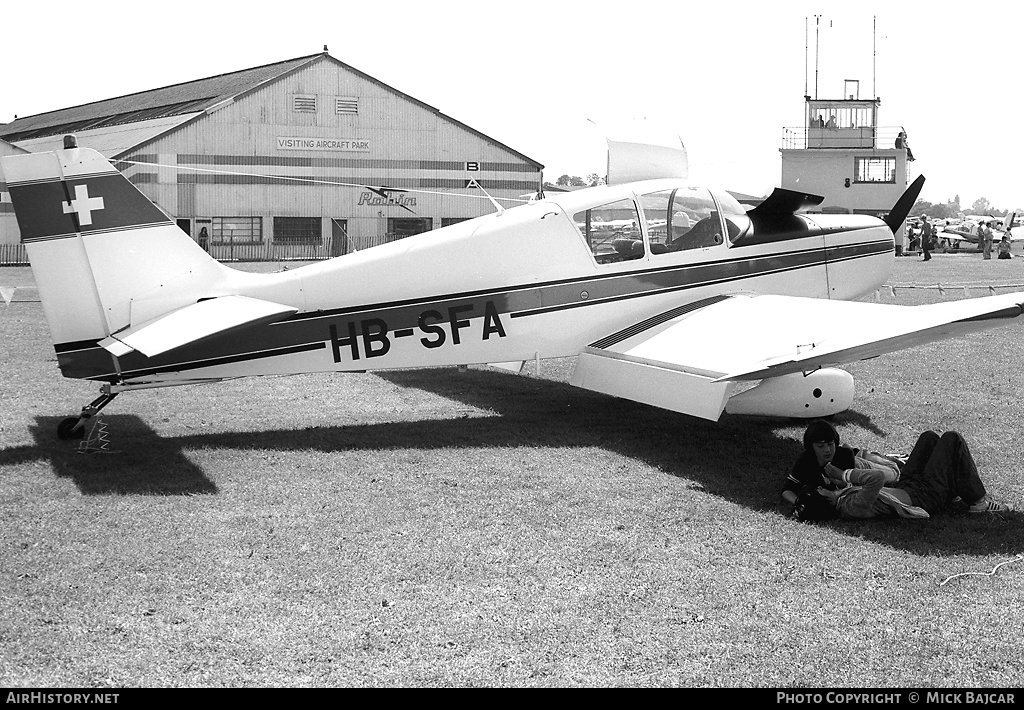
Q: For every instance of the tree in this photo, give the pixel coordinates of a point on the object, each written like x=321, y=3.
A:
x=940, y=212
x=981, y=206
x=920, y=207
x=577, y=181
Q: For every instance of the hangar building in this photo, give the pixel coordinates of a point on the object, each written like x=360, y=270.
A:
x=249, y=163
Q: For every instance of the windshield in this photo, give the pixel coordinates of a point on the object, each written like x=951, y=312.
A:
x=681, y=219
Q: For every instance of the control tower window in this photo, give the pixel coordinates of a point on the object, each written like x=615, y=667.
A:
x=841, y=117
x=875, y=169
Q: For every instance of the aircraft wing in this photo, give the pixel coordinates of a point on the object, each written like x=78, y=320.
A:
x=214, y=316
x=699, y=350
x=953, y=236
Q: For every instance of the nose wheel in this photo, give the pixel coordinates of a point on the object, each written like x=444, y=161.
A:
x=74, y=427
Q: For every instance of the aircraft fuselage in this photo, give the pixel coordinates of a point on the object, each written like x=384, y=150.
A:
x=511, y=286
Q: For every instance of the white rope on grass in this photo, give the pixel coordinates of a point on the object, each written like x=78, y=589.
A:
x=990, y=288
x=1018, y=558
x=967, y=288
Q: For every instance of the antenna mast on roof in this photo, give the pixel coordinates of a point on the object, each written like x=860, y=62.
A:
x=817, y=42
x=806, y=58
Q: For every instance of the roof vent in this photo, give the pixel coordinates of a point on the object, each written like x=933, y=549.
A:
x=346, y=104
x=304, y=103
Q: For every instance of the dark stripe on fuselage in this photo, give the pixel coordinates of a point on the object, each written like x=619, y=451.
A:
x=623, y=284
x=310, y=331
x=227, y=359
x=62, y=348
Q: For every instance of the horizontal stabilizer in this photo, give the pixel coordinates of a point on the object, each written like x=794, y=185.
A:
x=205, y=319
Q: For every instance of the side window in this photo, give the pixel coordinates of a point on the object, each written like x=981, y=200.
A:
x=612, y=232
x=681, y=219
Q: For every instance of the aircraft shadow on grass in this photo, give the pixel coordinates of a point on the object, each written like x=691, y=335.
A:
x=133, y=460
x=741, y=459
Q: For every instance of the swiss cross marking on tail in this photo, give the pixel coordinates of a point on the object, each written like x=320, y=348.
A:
x=83, y=205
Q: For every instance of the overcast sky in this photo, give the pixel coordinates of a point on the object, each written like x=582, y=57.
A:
x=545, y=77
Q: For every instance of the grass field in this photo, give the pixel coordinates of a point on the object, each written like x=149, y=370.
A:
x=476, y=528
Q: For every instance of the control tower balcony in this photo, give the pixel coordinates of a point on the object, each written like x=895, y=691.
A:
x=850, y=137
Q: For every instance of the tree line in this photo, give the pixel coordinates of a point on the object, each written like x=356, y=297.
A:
x=952, y=209
x=576, y=181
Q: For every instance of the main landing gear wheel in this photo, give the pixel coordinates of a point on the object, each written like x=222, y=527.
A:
x=74, y=427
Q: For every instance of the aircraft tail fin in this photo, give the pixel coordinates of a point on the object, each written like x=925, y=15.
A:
x=898, y=214
x=103, y=255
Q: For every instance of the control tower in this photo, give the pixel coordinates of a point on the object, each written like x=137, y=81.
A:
x=842, y=153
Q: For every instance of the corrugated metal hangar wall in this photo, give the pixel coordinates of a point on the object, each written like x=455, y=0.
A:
x=273, y=170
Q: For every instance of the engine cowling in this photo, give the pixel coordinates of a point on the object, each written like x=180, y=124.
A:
x=822, y=393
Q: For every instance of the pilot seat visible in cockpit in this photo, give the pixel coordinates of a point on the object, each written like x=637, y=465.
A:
x=705, y=233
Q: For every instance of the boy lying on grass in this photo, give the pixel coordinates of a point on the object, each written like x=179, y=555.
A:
x=833, y=481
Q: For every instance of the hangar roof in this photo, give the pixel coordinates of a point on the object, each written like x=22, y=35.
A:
x=176, y=100
x=110, y=140
x=115, y=126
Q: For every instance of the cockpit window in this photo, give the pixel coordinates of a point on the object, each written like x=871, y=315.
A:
x=612, y=231
x=681, y=219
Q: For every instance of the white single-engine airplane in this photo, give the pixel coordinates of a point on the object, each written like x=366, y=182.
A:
x=683, y=311
x=967, y=231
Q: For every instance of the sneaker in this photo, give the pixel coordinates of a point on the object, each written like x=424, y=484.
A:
x=987, y=505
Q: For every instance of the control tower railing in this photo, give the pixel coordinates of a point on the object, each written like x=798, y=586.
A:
x=812, y=137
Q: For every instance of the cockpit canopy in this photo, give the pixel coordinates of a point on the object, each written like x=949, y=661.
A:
x=675, y=219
